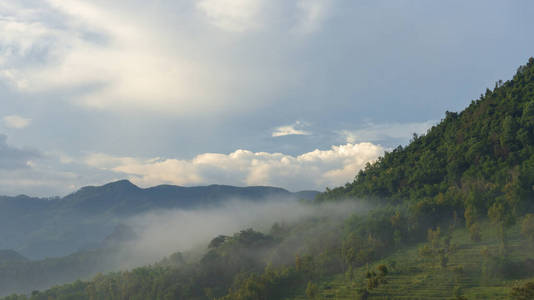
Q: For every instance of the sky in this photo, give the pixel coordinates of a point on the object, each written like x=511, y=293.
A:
x=298, y=94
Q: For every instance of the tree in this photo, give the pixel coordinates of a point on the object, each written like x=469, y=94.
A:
x=443, y=259
x=364, y=294
x=470, y=216
x=425, y=253
x=502, y=218
x=527, y=227
x=523, y=292
x=457, y=292
x=474, y=233
x=312, y=291
x=433, y=238
x=382, y=270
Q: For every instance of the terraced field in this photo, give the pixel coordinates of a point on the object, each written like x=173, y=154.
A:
x=416, y=278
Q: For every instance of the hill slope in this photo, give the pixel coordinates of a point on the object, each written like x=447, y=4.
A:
x=10, y=256
x=481, y=156
x=40, y=228
x=474, y=164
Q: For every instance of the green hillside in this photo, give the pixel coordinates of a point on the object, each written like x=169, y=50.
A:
x=451, y=218
x=474, y=270
x=477, y=158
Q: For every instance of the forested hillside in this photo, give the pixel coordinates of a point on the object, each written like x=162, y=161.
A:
x=451, y=218
x=479, y=158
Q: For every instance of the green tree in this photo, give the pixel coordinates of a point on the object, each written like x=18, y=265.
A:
x=312, y=291
x=475, y=233
x=503, y=218
x=527, y=227
x=382, y=270
x=523, y=292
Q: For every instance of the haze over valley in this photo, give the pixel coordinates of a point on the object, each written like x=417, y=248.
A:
x=266, y=150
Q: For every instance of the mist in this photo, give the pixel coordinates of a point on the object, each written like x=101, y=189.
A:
x=152, y=236
x=161, y=233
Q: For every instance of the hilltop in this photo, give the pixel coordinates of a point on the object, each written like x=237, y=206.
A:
x=51, y=227
x=452, y=218
x=478, y=158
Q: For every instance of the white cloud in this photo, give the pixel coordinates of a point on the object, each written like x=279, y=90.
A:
x=15, y=121
x=294, y=129
x=317, y=169
x=12, y=158
x=311, y=13
x=116, y=60
x=232, y=15
x=386, y=132
x=129, y=67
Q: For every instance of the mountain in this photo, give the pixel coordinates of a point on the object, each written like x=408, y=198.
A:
x=124, y=198
x=474, y=168
x=50, y=227
x=21, y=275
x=479, y=158
x=10, y=256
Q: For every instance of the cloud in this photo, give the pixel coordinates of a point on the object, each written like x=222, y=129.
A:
x=33, y=172
x=386, y=132
x=317, y=169
x=111, y=59
x=15, y=121
x=232, y=15
x=311, y=14
x=15, y=158
x=21, y=170
x=254, y=15
x=295, y=129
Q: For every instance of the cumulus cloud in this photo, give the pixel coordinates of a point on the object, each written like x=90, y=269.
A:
x=317, y=169
x=294, y=129
x=16, y=121
x=386, y=132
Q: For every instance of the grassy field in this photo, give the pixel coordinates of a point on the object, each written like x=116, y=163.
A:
x=412, y=277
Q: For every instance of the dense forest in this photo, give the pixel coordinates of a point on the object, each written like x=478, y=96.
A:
x=451, y=217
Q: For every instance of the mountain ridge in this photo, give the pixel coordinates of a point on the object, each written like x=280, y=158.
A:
x=46, y=227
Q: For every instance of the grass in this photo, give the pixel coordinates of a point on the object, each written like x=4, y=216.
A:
x=415, y=278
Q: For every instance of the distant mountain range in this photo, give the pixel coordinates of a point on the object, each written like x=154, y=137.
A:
x=49, y=227
x=10, y=256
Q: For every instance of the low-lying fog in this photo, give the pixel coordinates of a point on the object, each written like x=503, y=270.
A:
x=160, y=233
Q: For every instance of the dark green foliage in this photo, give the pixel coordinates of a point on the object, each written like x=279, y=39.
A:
x=470, y=161
x=527, y=227
x=383, y=270
x=523, y=292
x=474, y=232
x=457, y=292
x=503, y=267
x=312, y=291
x=476, y=163
x=364, y=294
